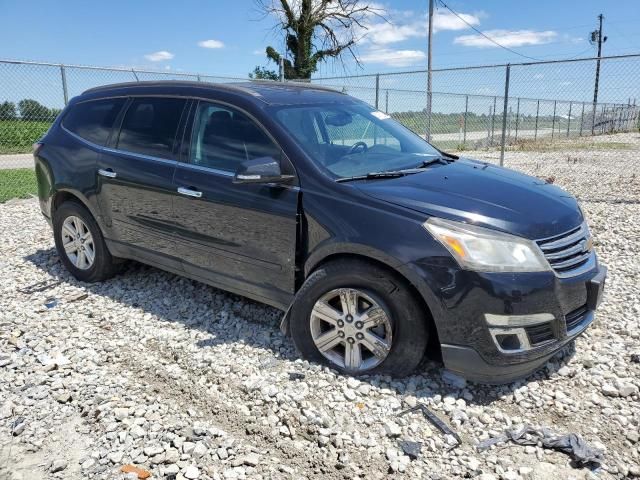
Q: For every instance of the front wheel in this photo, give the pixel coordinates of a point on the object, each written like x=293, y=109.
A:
x=360, y=319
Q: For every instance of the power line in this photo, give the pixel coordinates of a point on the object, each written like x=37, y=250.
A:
x=485, y=35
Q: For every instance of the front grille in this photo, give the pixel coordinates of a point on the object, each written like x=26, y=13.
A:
x=574, y=318
x=568, y=251
x=540, y=333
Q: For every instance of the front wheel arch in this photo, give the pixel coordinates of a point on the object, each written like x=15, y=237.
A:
x=410, y=330
x=433, y=348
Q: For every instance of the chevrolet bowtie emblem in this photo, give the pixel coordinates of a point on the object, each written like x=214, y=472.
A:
x=587, y=244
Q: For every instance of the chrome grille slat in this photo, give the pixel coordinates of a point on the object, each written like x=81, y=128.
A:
x=566, y=240
x=570, y=262
x=566, y=252
x=563, y=253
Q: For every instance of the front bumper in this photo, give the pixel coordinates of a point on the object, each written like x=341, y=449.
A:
x=460, y=301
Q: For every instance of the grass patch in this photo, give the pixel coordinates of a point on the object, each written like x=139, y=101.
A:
x=17, y=183
x=17, y=136
x=566, y=145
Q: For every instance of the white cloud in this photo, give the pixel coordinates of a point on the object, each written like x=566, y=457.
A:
x=159, y=56
x=448, y=21
x=393, y=58
x=403, y=26
x=385, y=33
x=259, y=51
x=508, y=38
x=211, y=44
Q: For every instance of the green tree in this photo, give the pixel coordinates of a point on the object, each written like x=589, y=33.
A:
x=8, y=111
x=316, y=30
x=262, y=73
x=33, y=110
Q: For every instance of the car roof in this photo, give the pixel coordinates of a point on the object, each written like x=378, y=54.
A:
x=269, y=92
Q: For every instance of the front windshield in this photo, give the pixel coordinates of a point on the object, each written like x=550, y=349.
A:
x=353, y=139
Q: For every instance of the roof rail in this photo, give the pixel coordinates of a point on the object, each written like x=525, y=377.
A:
x=296, y=83
x=238, y=87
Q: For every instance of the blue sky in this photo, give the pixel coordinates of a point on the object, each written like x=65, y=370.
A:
x=228, y=37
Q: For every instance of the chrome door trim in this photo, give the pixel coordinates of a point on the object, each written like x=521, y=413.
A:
x=202, y=168
x=107, y=173
x=189, y=193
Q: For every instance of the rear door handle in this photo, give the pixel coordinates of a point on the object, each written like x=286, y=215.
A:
x=189, y=192
x=107, y=173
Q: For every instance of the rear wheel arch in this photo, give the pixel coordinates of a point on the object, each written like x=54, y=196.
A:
x=61, y=196
x=80, y=242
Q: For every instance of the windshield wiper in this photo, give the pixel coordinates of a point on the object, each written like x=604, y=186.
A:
x=444, y=159
x=370, y=175
x=440, y=159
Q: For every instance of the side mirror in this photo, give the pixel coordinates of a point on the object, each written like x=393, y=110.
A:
x=261, y=170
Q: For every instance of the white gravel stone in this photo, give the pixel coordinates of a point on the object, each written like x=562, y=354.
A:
x=392, y=429
x=191, y=472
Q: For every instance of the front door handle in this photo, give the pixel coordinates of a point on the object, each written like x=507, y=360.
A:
x=109, y=173
x=189, y=192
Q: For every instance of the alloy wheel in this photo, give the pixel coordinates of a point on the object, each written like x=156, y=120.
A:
x=351, y=329
x=77, y=242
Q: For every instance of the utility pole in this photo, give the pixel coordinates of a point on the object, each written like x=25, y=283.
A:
x=597, y=36
x=430, y=40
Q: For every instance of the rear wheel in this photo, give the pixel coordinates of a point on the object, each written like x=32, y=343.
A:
x=360, y=319
x=80, y=243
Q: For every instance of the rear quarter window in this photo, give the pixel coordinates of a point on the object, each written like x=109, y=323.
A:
x=93, y=120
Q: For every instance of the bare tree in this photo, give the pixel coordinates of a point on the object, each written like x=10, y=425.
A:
x=317, y=30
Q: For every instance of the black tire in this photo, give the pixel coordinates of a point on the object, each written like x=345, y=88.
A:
x=104, y=265
x=410, y=332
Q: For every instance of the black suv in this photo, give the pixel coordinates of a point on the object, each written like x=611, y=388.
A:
x=375, y=243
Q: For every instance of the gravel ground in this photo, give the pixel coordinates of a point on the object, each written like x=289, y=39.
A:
x=186, y=381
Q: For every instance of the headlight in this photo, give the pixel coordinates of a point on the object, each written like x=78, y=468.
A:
x=486, y=250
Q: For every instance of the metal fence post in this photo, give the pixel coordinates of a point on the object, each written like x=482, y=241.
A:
x=504, y=113
x=569, y=118
x=386, y=102
x=493, y=118
x=466, y=111
x=581, y=119
x=535, y=133
x=619, y=121
x=377, y=90
x=553, y=121
x=517, y=118
x=199, y=79
x=65, y=92
x=135, y=75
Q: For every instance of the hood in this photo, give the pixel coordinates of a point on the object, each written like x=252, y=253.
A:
x=485, y=195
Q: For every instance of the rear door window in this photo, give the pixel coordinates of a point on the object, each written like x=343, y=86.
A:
x=150, y=125
x=93, y=120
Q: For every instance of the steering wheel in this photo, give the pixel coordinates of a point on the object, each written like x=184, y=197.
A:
x=358, y=146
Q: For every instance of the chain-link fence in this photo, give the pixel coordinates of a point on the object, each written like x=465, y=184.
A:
x=546, y=101
x=549, y=106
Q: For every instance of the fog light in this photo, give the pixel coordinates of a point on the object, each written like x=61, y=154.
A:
x=510, y=340
x=517, y=320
